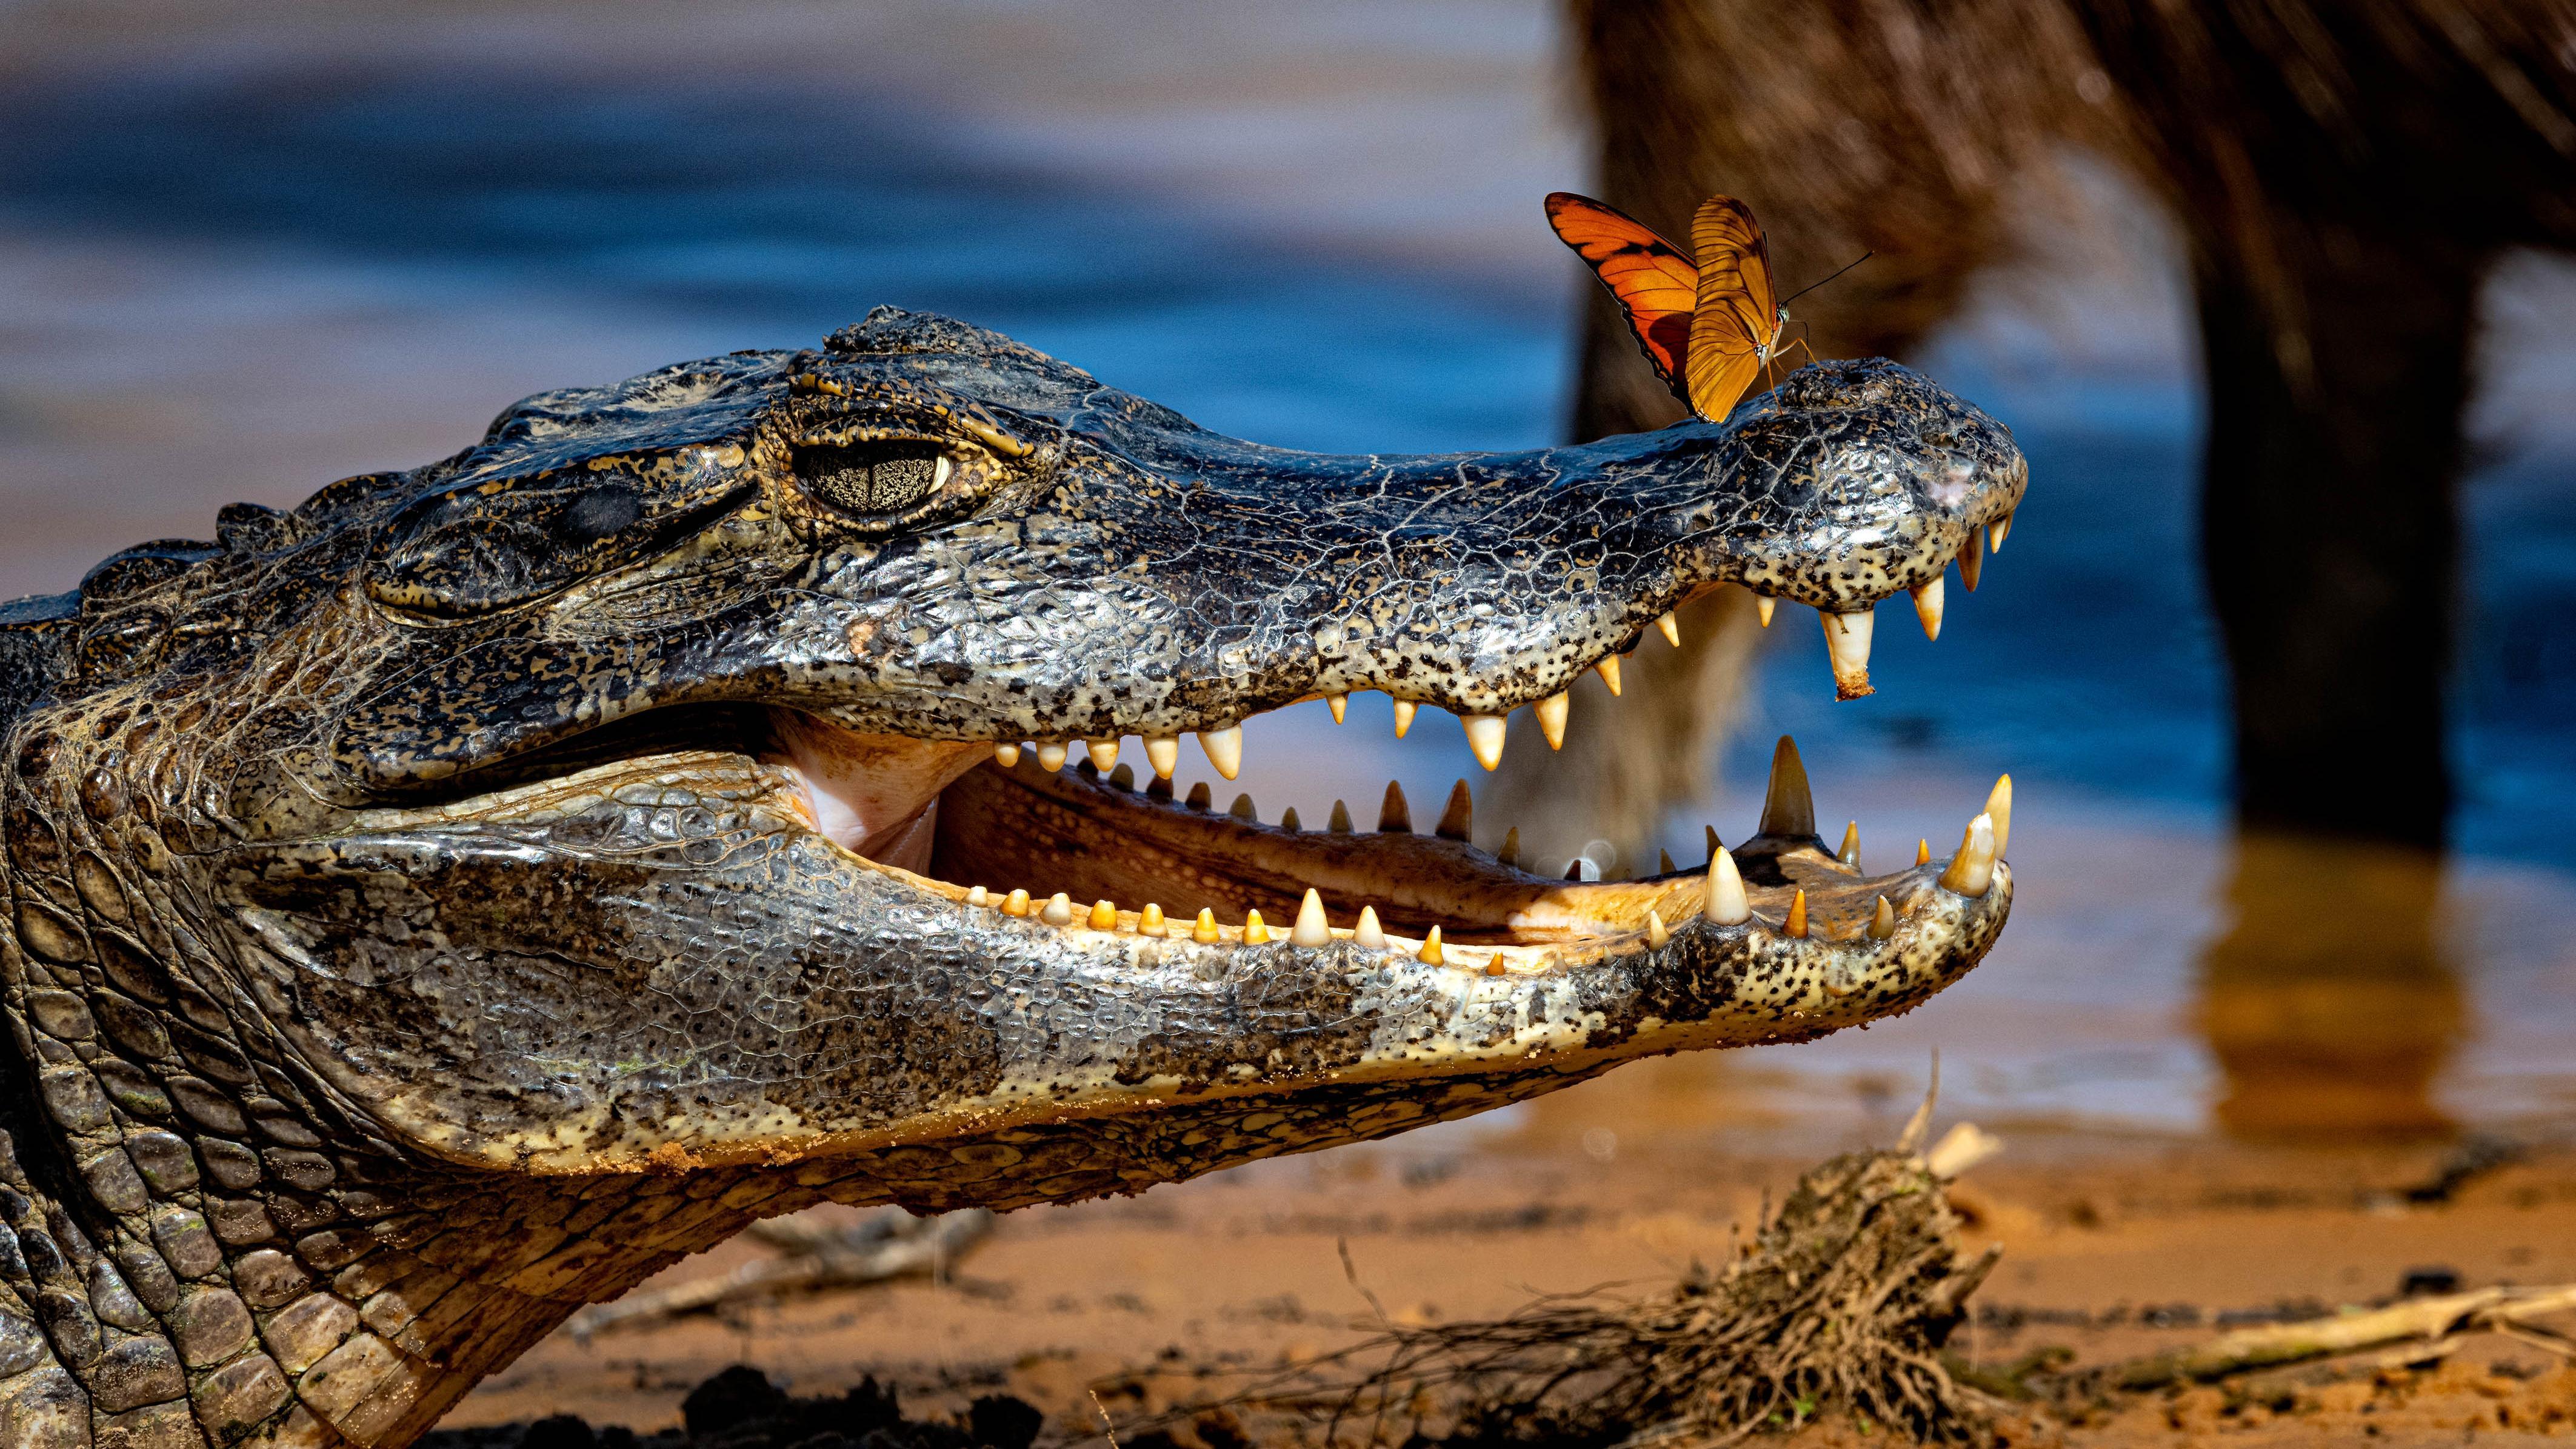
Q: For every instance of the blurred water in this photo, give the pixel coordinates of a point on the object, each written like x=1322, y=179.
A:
x=244, y=254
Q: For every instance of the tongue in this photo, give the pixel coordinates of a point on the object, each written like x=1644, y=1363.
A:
x=875, y=795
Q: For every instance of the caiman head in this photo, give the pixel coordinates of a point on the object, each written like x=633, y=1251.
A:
x=447, y=902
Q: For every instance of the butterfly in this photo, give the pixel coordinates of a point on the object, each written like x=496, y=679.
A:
x=1710, y=325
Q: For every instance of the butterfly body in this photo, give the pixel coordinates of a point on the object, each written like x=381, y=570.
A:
x=1709, y=322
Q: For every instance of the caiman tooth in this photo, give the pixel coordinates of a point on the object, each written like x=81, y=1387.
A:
x=1058, y=912
x=1256, y=932
x=1796, y=925
x=978, y=896
x=1996, y=533
x=1763, y=606
x=1124, y=777
x=1847, y=644
x=1664, y=860
x=1367, y=934
x=1006, y=756
x=1430, y=954
x=1224, y=749
x=1404, y=709
x=1310, y=929
x=1608, y=668
x=1671, y=629
x=1972, y=559
x=1999, y=810
x=1200, y=797
x=1204, y=931
x=1656, y=932
x=1016, y=904
x=1149, y=921
x=1163, y=752
x=1923, y=852
x=1850, y=853
x=1104, y=916
x=1510, y=854
x=1726, y=905
x=1574, y=868
x=1788, y=808
x=1485, y=737
x=1972, y=871
x=1243, y=810
x=1710, y=831
x=1457, y=820
x=1104, y=753
x=1927, y=604
x=1393, y=815
x=1340, y=823
x=1051, y=756
x=1338, y=704
x=1551, y=719
x=1882, y=922
x=1288, y=820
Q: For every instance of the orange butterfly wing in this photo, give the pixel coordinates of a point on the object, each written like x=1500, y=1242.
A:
x=1735, y=322
x=1657, y=286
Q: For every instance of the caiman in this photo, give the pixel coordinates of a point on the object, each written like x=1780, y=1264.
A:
x=445, y=903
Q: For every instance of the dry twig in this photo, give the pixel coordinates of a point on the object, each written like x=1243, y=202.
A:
x=886, y=1244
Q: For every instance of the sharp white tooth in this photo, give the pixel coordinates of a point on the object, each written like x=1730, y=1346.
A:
x=1430, y=955
x=1104, y=916
x=1796, y=925
x=1458, y=819
x=1224, y=749
x=1242, y=810
x=1850, y=853
x=1847, y=641
x=1051, y=756
x=1124, y=777
x=1726, y=903
x=1288, y=820
x=977, y=895
x=1672, y=629
x=1608, y=669
x=1972, y=871
x=1972, y=559
x=1393, y=815
x=1366, y=934
x=1310, y=929
x=1763, y=605
x=1404, y=709
x=1788, y=808
x=1337, y=703
x=1656, y=932
x=1006, y=755
x=1882, y=923
x=1927, y=605
x=1510, y=854
x=1104, y=753
x=1163, y=752
x=1551, y=720
x=1995, y=533
x=1485, y=737
x=1999, y=810
x=1340, y=824
x=1058, y=912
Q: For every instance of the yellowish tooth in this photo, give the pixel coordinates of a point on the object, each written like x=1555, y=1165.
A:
x=1972, y=559
x=1510, y=854
x=1224, y=749
x=1104, y=753
x=1999, y=810
x=1485, y=737
x=1923, y=852
x=1163, y=752
x=1124, y=777
x=1051, y=756
x=1608, y=669
x=1393, y=815
x=1366, y=934
x=1711, y=832
x=1243, y=810
x=1666, y=868
x=1672, y=629
x=1726, y=903
x=1972, y=871
x=1200, y=799
x=1927, y=604
x=1763, y=606
x=1458, y=818
x=1850, y=853
x=977, y=895
x=1996, y=533
x=1104, y=916
x=1254, y=932
x=1429, y=955
x=1016, y=904
x=1847, y=644
x=1404, y=709
x=1149, y=921
x=1058, y=912
x=1882, y=924
x=1656, y=932
x=1006, y=755
x=1788, y=807
x=1337, y=703
x=1551, y=720
x=1340, y=823
x=1205, y=932
x=1494, y=965
x=1797, y=922
x=1288, y=820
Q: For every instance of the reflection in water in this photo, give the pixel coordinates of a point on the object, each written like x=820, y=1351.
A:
x=2329, y=1003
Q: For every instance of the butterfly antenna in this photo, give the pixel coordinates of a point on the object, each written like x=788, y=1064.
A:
x=1845, y=267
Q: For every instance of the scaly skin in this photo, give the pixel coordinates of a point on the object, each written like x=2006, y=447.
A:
x=450, y=902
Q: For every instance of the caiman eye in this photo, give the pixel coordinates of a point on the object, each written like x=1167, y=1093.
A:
x=866, y=480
